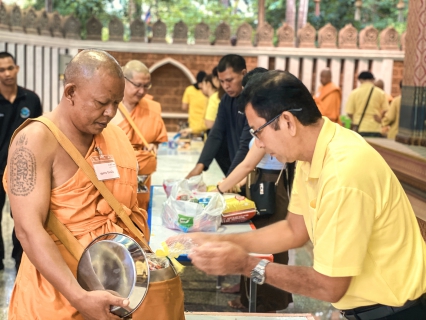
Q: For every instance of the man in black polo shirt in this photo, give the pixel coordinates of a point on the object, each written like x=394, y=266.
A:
x=230, y=126
x=16, y=105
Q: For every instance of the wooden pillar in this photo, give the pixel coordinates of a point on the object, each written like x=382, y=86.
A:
x=412, y=126
x=261, y=13
x=290, y=13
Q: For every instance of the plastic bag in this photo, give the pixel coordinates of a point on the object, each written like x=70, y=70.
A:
x=195, y=183
x=190, y=211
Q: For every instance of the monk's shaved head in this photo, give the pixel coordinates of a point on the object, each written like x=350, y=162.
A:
x=88, y=62
x=325, y=76
x=134, y=66
x=380, y=84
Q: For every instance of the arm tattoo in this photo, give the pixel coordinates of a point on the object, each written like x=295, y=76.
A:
x=22, y=169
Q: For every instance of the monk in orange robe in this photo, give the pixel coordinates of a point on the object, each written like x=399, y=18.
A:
x=42, y=177
x=329, y=97
x=144, y=113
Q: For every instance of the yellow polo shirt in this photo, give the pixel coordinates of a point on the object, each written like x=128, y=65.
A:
x=356, y=104
x=360, y=221
x=212, y=107
x=391, y=118
x=197, y=102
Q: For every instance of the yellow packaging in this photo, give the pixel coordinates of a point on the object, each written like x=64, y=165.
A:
x=235, y=202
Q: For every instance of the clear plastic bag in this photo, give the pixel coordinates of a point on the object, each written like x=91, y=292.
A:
x=190, y=211
x=195, y=183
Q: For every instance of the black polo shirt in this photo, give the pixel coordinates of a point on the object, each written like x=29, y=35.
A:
x=12, y=115
x=230, y=126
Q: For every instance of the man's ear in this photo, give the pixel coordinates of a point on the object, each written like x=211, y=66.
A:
x=244, y=72
x=289, y=121
x=69, y=92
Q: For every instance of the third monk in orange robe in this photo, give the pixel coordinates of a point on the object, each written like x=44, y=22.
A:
x=144, y=113
x=329, y=97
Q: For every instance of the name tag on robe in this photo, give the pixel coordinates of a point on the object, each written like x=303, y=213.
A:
x=105, y=167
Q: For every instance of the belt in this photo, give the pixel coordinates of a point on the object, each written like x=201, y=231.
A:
x=270, y=171
x=379, y=311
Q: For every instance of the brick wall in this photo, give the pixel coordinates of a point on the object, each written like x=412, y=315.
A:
x=194, y=63
x=168, y=86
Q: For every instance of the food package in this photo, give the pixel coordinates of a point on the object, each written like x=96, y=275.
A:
x=189, y=211
x=238, y=209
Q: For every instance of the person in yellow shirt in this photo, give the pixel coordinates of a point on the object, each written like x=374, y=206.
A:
x=370, y=126
x=195, y=103
x=390, y=121
x=329, y=97
x=369, y=257
x=210, y=91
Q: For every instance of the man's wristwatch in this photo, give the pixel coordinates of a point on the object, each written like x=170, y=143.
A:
x=258, y=273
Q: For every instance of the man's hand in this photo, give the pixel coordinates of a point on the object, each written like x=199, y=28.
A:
x=198, y=169
x=377, y=118
x=196, y=238
x=219, y=258
x=95, y=305
x=185, y=132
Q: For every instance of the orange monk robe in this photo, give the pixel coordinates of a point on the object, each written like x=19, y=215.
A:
x=152, y=127
x=328, y=100
x=82, y=209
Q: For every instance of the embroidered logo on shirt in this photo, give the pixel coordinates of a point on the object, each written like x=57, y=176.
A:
x=25, y=112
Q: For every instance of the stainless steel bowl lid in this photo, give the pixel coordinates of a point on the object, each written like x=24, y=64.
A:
x=115, y=262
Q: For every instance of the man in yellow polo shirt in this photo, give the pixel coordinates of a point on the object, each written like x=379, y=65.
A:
x=377, y=105
x=369, y=255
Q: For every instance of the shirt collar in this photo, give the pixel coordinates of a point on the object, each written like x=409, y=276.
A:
x=19, y=94
x=326, y=134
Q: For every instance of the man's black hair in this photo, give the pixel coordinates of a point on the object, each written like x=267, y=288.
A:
x=5, y=54
x=274, y=92
x=365, y=75
x=251, y=73
x=234, y=61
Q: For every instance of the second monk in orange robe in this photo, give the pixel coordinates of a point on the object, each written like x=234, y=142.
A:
x=329, y=97
x=144, y=113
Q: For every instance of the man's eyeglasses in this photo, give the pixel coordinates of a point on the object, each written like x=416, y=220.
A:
x=254, y=133
x=140, y=85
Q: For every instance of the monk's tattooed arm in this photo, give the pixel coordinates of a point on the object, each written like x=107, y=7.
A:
x=22, y=169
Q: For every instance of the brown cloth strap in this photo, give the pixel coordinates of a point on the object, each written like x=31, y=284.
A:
x=126, y=114
x=88, y=170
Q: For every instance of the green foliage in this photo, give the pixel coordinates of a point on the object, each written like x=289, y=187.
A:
x=379, y=13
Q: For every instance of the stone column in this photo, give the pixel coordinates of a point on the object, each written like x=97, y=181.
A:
x=413, y=103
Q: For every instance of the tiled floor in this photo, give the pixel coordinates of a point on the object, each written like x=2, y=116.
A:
x=200, y=289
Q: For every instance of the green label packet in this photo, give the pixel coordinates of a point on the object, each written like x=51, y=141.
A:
x=185, y=221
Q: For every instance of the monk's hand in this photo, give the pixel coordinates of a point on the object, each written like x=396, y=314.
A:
x=151, y=147
x=219, y=258
x=96, y=305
